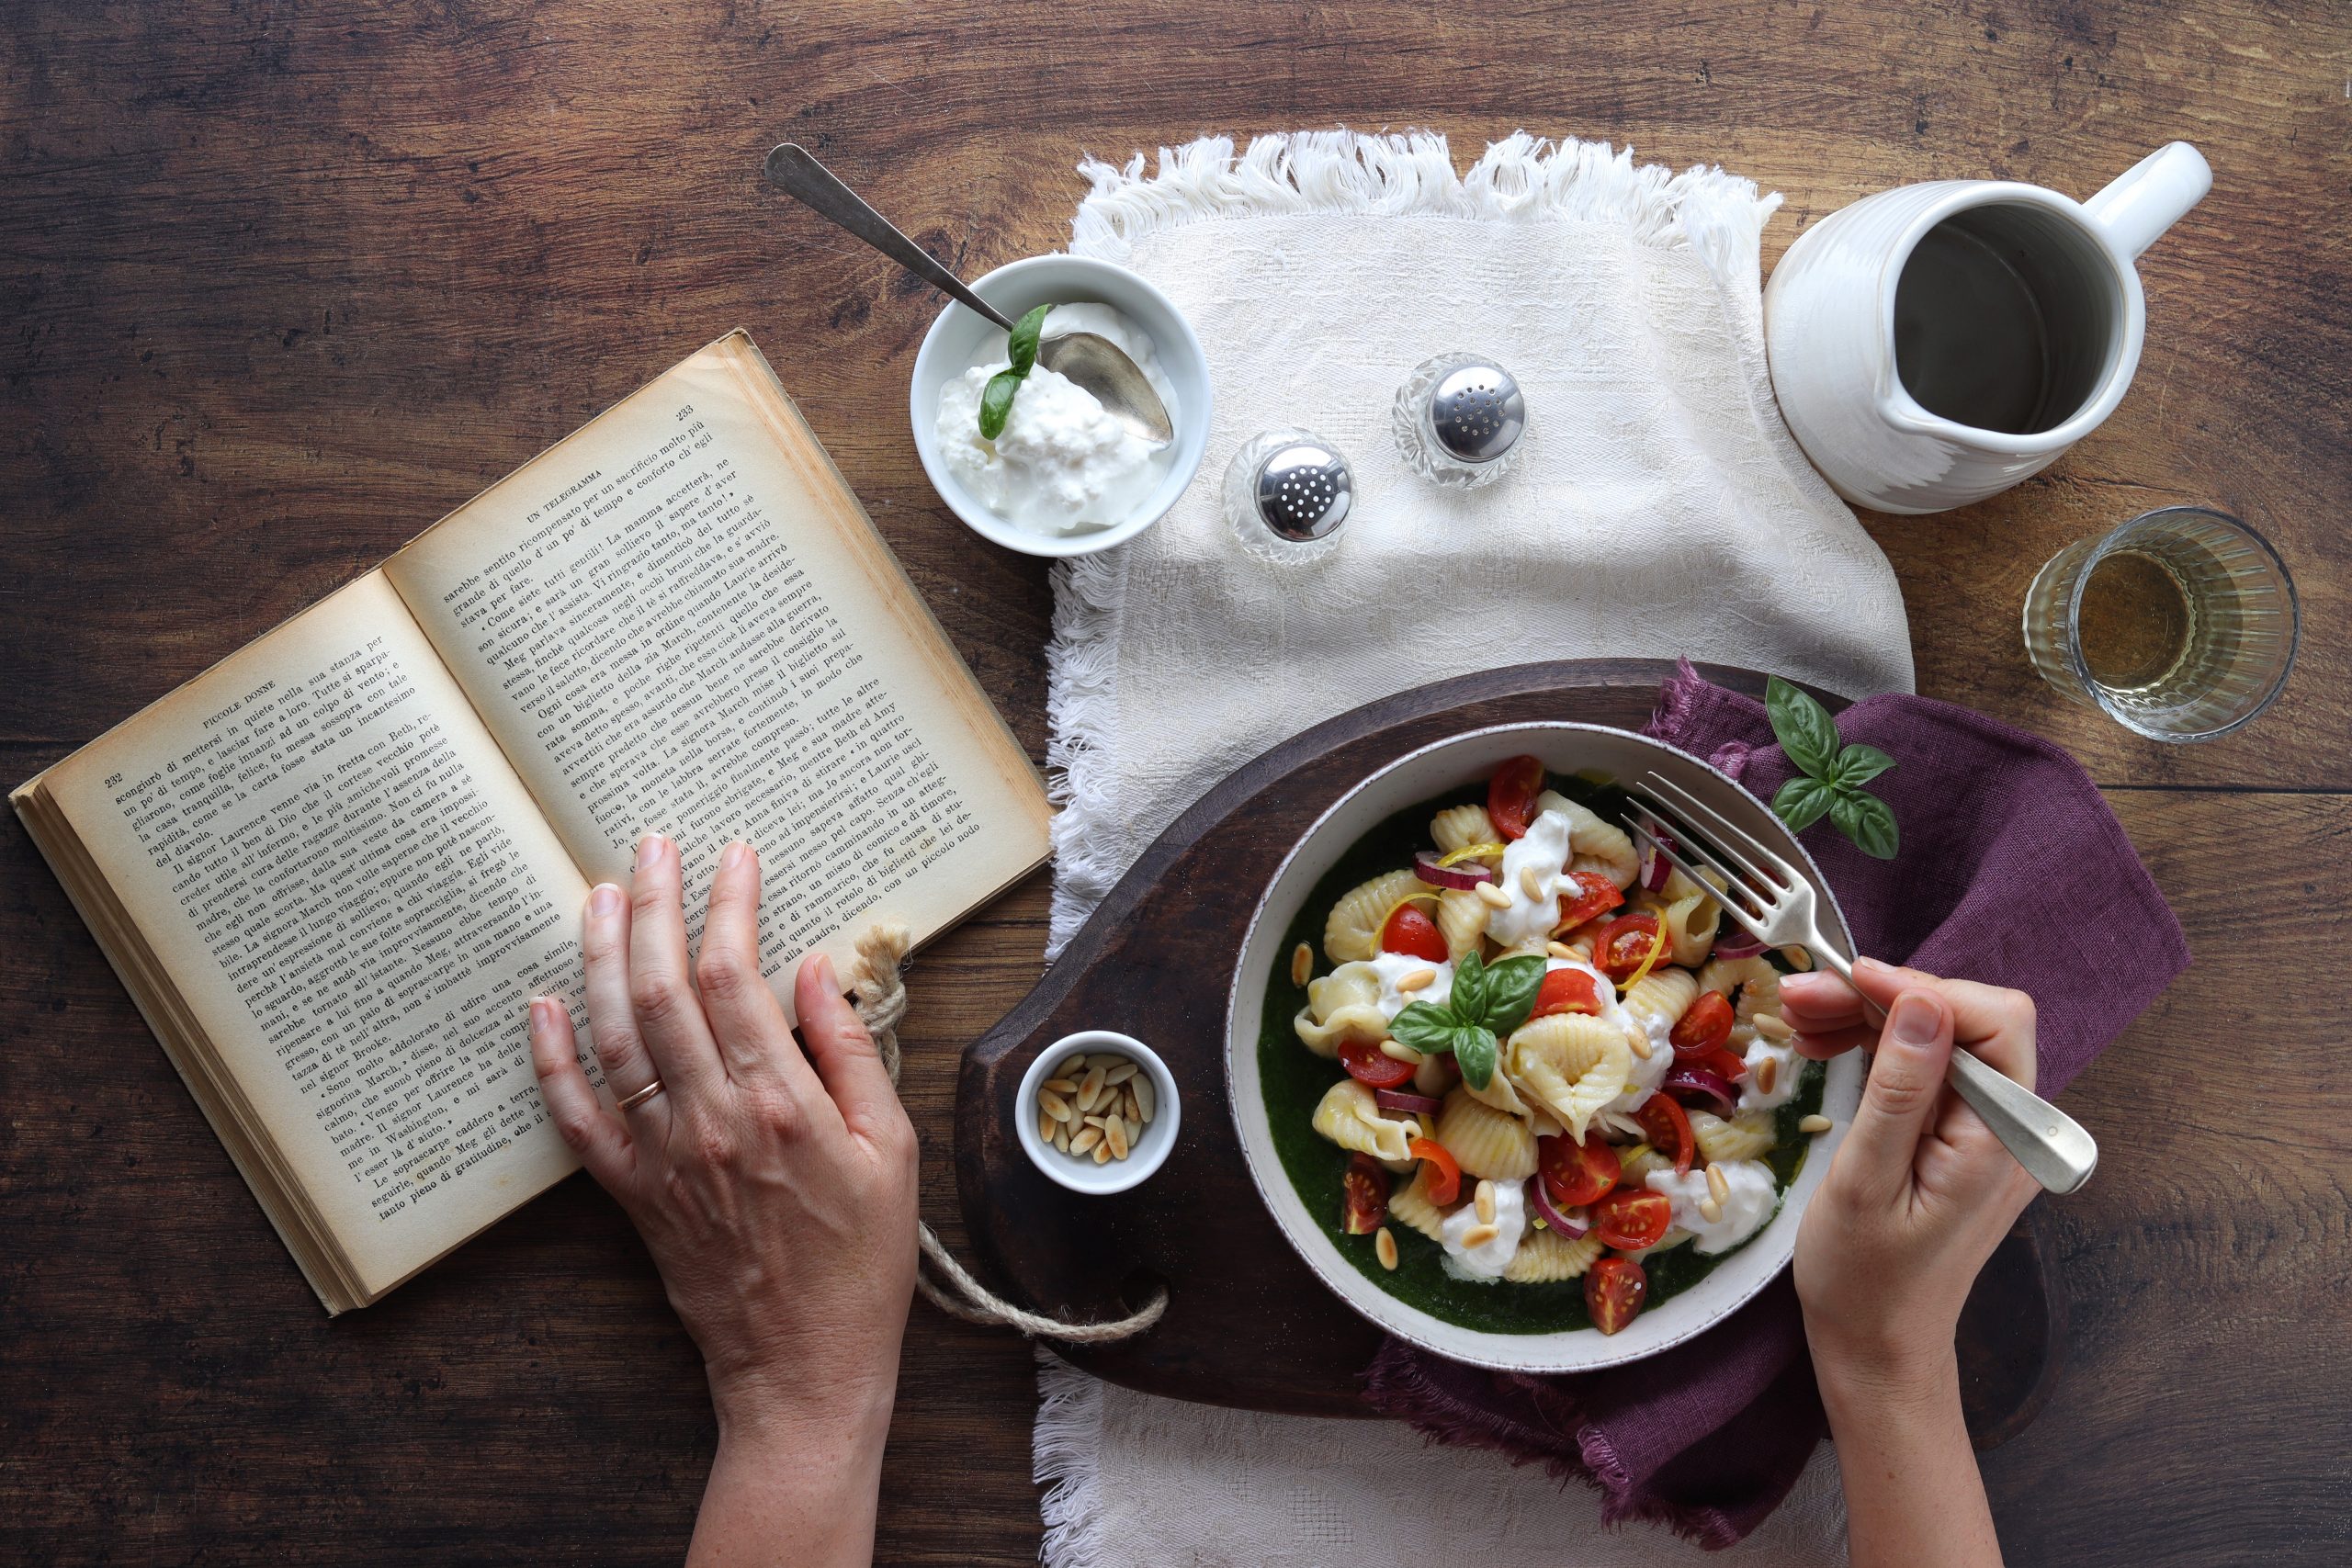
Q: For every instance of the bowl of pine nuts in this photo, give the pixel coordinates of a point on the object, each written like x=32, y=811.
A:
x=1097, y=1111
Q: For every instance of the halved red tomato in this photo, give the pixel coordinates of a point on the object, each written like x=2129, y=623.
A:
x=1567, y=990
x=1576, y=1173
x=1364, y=1196
x=1724, y=1062
x=1511, y=795
x=1703, y=1027
x=1445, y=1173
x=1370, y=1066
x=1613, y=1289
x=1624, y=945
x=1414, y=935
x=1595, y=894
x=1667, y=1127
x=1632, y=1218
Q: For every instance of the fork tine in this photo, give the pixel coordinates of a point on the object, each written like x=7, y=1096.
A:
x=1735, y=842
x=1745, y=921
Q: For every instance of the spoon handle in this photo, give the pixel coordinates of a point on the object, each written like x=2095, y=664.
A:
x=791, y=170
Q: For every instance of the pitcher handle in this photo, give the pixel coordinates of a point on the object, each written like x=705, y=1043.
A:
x=2151, y=195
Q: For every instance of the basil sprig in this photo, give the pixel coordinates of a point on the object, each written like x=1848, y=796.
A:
x=1831, y=777
x=1021, y=351
x=1483, y=1005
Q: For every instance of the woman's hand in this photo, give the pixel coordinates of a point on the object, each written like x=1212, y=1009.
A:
x=1919, y=1194
x=775, y=1189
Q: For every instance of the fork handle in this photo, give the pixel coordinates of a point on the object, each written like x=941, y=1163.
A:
x=2051, y=1145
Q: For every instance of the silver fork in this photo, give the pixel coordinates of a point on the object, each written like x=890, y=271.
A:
x=2053, y=1147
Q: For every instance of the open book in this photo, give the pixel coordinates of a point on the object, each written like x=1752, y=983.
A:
x=333, y=868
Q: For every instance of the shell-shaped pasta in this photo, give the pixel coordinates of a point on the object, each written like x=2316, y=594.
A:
x=1500, y=1092
x=1638, y=1161
x=1410, y=1206
x=1692, y=917
x=1341, y=1005
x=1573, y=1062
x=1352, y=933
x=1351, y=1118
x=1459, y=827
x=1748, y=1135
x=1462, y=919
x=1484, y=1141
x=1757, y=983
x=1665, y=992
x=1595, y=844
x=1671, y=1239
x=1544, y=1256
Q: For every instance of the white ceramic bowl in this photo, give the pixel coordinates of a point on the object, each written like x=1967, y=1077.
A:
x=1422, y=775
x=1080, y=1173
x=954, y=339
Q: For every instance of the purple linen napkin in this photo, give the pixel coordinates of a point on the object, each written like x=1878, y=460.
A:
x=2012, y=871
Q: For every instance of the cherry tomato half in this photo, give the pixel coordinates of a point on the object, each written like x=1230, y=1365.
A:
x=1632, y=1218
x=1596, y=894
x=1624, y=944
x=1511, y=795
x=1576, y=1173
x=1724, y=1062
x=1364, y=1196
x=1372, y=1067
x=1667, y=1127
x=1613, y=1289
x=1414, y=935
x=1445, y=1174
x=1567, y=990
x=1703, y=1026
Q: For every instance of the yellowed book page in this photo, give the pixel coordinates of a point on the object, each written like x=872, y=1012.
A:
x=679, y=619
x=356, y=897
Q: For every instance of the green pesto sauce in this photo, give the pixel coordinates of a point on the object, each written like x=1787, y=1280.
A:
x=1295, y=1080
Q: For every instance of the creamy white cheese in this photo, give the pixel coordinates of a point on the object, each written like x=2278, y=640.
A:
x=1062, y=464
x=1749, y=1202
x=1784, y=1082
x=1488, y=1260
x=1543, y=850
x=1394, y=966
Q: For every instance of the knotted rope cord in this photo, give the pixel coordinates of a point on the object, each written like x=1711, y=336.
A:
x=882, y=1003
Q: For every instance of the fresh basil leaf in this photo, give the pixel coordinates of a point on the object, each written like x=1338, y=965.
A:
x=1868, y=820
x=1021, y=348
x=1803, y=727
x=1425, y=1027
x=1512, y=986
x=996, y=402
x=1476, y=1051
x=1858, y=764
x=1801, y=801
x=1467, y=999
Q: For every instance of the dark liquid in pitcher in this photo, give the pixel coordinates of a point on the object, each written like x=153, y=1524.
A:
x=2003, y=320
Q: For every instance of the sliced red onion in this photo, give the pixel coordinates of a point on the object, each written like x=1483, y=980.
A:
x=1463, y=875
x=1550, y=1212
x=1740, y=946
x=1405, y=1099
x=1699, y=1080
x=1655, y=867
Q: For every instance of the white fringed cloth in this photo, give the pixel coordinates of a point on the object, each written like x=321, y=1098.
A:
x=1660, y=508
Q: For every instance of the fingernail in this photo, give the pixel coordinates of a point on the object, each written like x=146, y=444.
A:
x=538, y=1012
x=1873, y=965
x=733, y=855
x=1799, y=982
x=822, y=967
x=648, y=851
x=1916, y=1020
x=604, y=899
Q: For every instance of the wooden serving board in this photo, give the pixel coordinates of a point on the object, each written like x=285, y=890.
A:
x=1247, y=1324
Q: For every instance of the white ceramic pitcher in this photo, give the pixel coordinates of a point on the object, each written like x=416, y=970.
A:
x=1935, y=343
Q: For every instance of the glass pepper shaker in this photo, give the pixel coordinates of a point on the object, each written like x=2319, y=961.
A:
x=1458, y=420
x=1287, y=492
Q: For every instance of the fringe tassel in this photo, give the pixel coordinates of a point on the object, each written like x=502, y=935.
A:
x=1065, y=1458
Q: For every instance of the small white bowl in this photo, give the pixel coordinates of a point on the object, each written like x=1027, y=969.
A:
x=954, y=339
x=1078, y=1172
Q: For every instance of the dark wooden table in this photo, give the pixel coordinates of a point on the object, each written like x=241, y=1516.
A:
x=280, y=283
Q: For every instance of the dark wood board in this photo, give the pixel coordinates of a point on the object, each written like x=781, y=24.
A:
x=1153, y=962
x=282, y=284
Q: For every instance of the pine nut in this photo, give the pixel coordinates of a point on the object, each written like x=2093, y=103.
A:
x=1815, y=1124
x=1478, y=1235
x=1120, y=1073
x=1716, y=1184
x=1090, y=1088
x=1493, y=896
x=1532, y=884
x=1559, y=950
x=1417, y=981
x=1094, y=1121
x=1797, y=958
x=1768, y=1072
x=1046, y=1125
x=1114, y=1132
x=1711, y=1211
x=1486, y=1202
x=1639, y=1039
x=1102, y=1153
x=1060, y=1086
x=1383, y=1246
x=1061, y=1136
x=1133, y=1128
x=1128, y=1104
x=1071, y=1068
x=1395, y=1052
x=1085, y=1140
x=1302, y=964
x=1055, y=1106
x=1774, y=1027
x=1145, y=1097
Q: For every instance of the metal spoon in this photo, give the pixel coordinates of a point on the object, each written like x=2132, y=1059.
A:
x=1090, y=360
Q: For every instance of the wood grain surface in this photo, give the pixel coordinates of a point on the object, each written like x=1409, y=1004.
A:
x=281, y=282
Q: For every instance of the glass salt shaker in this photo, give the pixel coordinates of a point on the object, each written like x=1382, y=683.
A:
x=1287, y=492
x=1458, y=420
